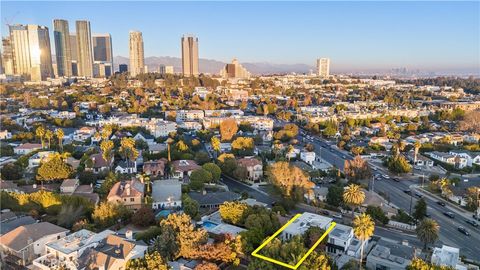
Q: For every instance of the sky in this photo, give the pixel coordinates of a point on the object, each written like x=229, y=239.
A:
x=433, y=36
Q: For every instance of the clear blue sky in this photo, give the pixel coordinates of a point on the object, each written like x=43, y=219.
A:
x=354, y=35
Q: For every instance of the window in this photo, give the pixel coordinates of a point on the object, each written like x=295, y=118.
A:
x=132, y=199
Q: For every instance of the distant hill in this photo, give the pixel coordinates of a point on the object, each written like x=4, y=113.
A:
x=214, y=66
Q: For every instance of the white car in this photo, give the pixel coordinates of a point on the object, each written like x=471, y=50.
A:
x=386, y=176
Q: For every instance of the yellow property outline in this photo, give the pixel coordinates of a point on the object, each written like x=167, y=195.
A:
x=255, y=252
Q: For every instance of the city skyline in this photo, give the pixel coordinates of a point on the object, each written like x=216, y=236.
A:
x=425, y=36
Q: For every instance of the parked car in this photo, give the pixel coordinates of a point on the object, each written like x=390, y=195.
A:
x=441, y=203
x=386, y=176
x=472, y=222
x=463, y=230
x=418, y=195
x=339, y=216
x=396, y=179
x=407, y=191
x=449, y=214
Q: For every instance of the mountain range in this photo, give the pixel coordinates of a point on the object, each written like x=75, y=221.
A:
x=214, y=66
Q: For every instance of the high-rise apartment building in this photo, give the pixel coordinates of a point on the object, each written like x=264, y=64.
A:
x=32, y=56
x=323, y=67
x=122, y=68
x=190, y=56
x=234, y=71
x=73, y=55
x=163, y=69
x=102, y=55
x=63, y=51
x=137, y=58
x=84, y=49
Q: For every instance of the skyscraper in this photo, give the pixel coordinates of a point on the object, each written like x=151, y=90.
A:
x=73, y=48
x=84, y=49
x=137, y=58
x=235, y=71
x=7, y=56
x=32, y=56
x=122, y=68
x=102, y=55
x=323, y=67
x=190, y=56
x=63, y=52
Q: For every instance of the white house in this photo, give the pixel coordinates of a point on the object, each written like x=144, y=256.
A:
x=339, y=239
x=149, y=139
x=5, y=135
x=69, y=185
x=42, y=156
x=307, y=157
x=26, y=148
x=447, y=256
x=83, y=133
x=126, y=167
x=166, y=194
x=305, y=221
x=470, y=157
x=455, y=160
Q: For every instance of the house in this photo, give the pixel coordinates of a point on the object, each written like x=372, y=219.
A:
x=422, y=161
x=254, y=168
x=339, y=239
x=5, y=135
x=130, y=193
x=470, y=157
x=157, y=148
x=13, y=222
x=26, y=148
x=126, y=167
x=86, y=191
x=390, y=255
x=69, y=185
x=182, y=169
x=149, y=139
x=447, y=256
x=66, y=251
x=155, y=168
x=293, y=154
x=23, y=244
x=38, y=158
x=320, y=193
x=9, y=186
x=166, y=194
x=112, y=253
x=308, y=157
x=99, y=164
x=83, y=133
x=305, y=221
x=456, y=160
x=214, y=199
x=120, y=134
x=379, y=140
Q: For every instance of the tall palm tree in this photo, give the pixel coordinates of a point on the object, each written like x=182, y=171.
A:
x=60, y=134
x=417, y=146
x=363, y=227
x=354, y=196
x=427, y=231
x=40, y=133
x=48, y=136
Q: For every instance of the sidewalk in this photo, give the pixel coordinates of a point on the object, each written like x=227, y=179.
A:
x=451, y=206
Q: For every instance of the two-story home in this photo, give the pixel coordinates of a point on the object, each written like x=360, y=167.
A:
x=308, y=157
x=130, y=193
x=125, y=167
x=83, y=133
x=181, y=169
x=25, y=243
x=254, y=168
x=26, y=148
x=155, y=168
x=166, y=194
x=98, y=164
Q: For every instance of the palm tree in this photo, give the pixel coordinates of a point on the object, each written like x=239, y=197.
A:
x=290, y=151
x=215, y=145
x=60, y=134
x=48, y=136
x=40, y=132
x=427, y=231
x=354, y=196
x=169, y=142
x=363, y=227
x=417, y=146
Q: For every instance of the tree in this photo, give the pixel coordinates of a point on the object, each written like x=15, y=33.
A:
x=427, y=231
x=60, y=134
x=201, y=176
x=353, y=195
x=143, y=217
x=202, y=157
x=107, y=150
x=40, y=133
x=54, y=169
x=107, y=214
x=420, y=209
x=288, y=178
x=377, y=214
x=166, y=243
x=228, y=129
x=181, y=146
x=69, y=214
x=398, y=164
x=473, y=197
x=206, y=266
x=11, y=171
x=240, y=173
x=151, y=261
x=312, y=235
x=243, y=146
x=190, y=206
x=357, y=169
x=187, y=237
x=233, y=212
x=127, y=149
x=417, y=145
x=214, y=170
x=419, y=264
x=363, y=227
x=334, y=195
x=215, y=144
x=49, y=136
x=107, y=185
x=471, y=122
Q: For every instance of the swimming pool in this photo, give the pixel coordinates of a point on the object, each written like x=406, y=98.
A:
x=209, y=225
x=163, y=213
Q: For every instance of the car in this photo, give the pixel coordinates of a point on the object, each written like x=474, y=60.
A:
x=476, y=217
x=396, y=179
x=386, y=176
x=375, y=169
x=449, y=214
x=339, y=216
x=407, y=191
x=441, y=203
x=463, y=230
x=325, y=213
x=427, y=215
x=472, y=222
x=418, y=195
